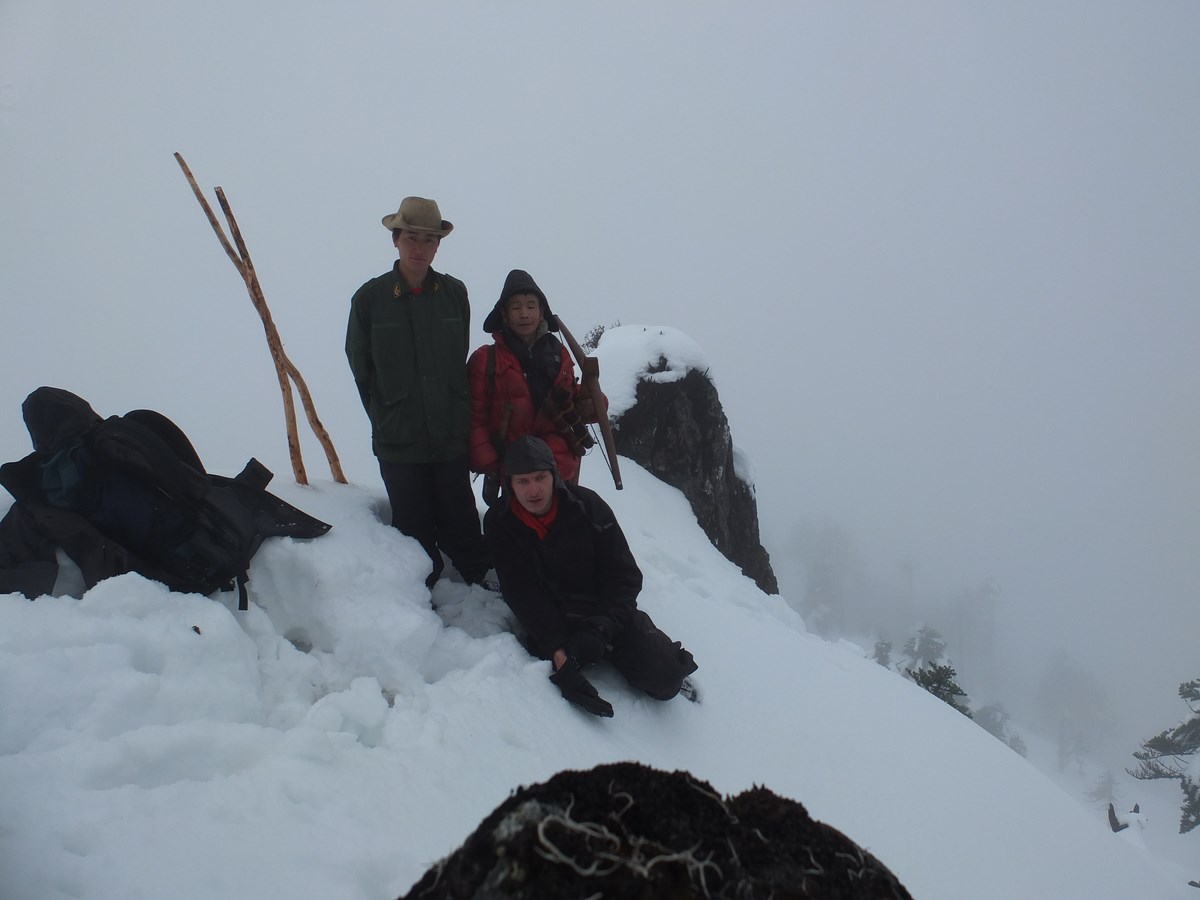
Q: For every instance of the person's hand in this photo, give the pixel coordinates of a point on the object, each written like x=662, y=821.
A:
x=586, y=646
x=578, y=690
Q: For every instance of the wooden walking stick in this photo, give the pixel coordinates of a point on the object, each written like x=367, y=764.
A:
x=589, y=366
x=284, y=367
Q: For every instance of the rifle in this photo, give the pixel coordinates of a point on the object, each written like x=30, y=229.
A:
x=589, y=366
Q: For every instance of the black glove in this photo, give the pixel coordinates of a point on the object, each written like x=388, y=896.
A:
x=578, y=690
x=586, y=646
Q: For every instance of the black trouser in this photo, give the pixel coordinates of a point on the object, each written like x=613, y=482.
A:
x=647, y=657
x=433, y=503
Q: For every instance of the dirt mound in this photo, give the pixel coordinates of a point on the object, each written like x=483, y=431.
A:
x=631, y=832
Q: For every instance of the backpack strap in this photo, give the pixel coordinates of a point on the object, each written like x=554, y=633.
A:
x=243, y=595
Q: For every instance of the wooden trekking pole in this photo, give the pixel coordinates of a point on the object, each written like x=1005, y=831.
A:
x=589, y=366
x=284, y=367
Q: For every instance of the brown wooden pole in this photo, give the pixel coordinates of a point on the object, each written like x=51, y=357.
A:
x=273, y=342
x=314, y=422
x=589, y=366
x=284, y=367
x=212, y=218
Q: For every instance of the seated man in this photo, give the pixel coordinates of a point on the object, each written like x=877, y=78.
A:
x=567, y=572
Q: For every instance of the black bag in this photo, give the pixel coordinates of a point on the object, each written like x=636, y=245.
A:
x=135, y=485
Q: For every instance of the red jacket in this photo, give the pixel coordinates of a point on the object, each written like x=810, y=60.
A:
x=509, y=388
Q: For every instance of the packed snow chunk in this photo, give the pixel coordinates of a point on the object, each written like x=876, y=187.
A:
x=359, y=711
x=130, y=654
x=356, y=599
x=632, y=353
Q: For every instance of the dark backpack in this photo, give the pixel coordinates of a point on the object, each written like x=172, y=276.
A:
x=138, y=482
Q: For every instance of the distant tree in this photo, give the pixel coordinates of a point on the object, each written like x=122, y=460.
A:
x=940, y=681
x=993, y=718
x=1169, y=755
x=883, y=653
x=1073, y=704
x=1103, y=791
x=591, y=340
x=925, y=648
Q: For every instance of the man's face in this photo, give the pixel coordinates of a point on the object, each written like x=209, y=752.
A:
x=416, y=250
x=534, y=491
x=523, y=315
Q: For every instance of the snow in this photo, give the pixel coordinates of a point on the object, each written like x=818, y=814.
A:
x=658, y=353
x=351, y=728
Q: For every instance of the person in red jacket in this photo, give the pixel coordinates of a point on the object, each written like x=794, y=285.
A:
x=524, y=384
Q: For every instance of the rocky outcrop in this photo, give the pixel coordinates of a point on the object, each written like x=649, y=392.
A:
x=677, y=430
x=626, y=830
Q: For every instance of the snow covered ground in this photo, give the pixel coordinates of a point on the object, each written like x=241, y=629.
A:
x=350, y=728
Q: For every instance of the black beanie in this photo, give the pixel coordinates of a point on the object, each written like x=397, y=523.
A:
x=529, y=454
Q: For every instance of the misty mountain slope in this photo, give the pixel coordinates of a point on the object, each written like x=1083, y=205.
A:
x=341, y=735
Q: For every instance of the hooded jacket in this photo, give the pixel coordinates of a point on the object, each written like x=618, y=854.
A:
x=512, y=398
x=106, y=492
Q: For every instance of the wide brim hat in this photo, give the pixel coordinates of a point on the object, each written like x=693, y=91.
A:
x=518, y=282
x=420, y=215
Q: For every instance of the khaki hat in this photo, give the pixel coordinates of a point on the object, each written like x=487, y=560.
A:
x=418, y=214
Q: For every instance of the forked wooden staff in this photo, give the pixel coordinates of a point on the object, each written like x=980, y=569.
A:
x=589, y=366
x=284, y=367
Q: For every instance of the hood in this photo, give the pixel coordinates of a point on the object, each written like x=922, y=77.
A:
x=530, y=454
x=55, y=418
x=518, y=282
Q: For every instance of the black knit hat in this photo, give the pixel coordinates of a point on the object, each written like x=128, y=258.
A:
x=518, y=282
x=530, y=454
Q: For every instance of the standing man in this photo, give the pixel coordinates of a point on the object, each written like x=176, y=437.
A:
x=568, y=574
x=407, y=342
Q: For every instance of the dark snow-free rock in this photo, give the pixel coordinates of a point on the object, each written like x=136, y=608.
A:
x=678, y=431
x=628, y=831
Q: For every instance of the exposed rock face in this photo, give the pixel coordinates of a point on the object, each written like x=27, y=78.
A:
x=628, y=831
x=678, y=431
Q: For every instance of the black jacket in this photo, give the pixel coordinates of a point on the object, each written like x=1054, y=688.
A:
x=84, y=469
x=583, y=567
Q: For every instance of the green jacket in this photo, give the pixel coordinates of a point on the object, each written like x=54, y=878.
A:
x=408, y=354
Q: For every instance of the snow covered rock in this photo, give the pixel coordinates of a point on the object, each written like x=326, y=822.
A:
x=674, y=426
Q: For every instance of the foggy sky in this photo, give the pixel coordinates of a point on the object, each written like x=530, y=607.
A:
x=942, y=257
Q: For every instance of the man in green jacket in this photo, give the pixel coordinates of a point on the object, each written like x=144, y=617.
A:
x=407, y=342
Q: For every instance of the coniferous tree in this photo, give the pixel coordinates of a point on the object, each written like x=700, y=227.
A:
x=925, y=651
x=883, y=653
x=993, y=718
x=925, y=648
x=940, y=681
x=1168, y=755
x=1104, y=791
x=1073, y=705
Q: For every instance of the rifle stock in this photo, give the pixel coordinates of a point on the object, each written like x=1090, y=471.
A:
x=589, y=367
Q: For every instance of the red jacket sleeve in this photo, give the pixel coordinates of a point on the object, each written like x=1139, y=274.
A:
x=481, y=452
